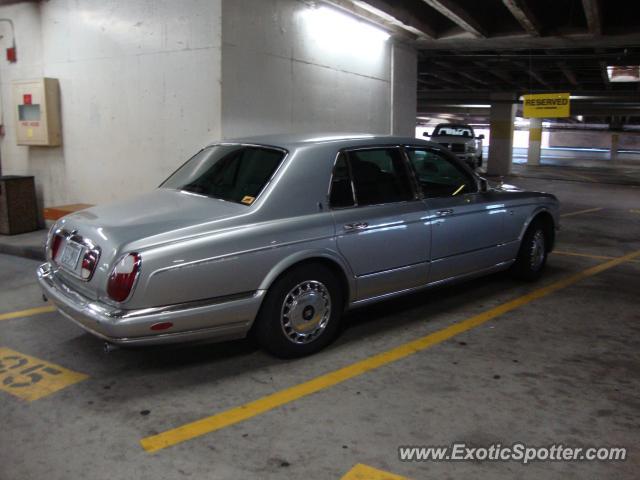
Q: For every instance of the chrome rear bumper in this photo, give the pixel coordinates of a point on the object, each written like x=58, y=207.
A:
x=218, y=318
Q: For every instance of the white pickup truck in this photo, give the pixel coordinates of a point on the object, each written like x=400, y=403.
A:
x=461, y=140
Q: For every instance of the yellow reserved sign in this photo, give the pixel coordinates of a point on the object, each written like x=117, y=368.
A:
x=546, y=105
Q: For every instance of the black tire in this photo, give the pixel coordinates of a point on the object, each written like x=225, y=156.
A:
x=532, y=256
x=308, y=326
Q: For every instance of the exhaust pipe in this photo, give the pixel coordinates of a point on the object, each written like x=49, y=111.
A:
x=109, y=347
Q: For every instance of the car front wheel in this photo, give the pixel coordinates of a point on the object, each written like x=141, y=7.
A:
x=532, y=256
x=301, y=312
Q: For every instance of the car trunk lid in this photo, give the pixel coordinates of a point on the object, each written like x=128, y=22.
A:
x=137, y=223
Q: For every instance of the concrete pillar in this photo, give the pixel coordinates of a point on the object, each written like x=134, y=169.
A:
x=613, y=152
x=404, y=90
x=535, y=139
x=502, y=118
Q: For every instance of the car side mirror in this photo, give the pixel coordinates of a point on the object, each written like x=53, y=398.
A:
x=480, y=137
x=426, y=134
x=483, y=184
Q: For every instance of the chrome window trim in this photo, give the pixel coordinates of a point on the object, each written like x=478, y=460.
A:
x=415, y=191
x=413, y=173
x=353, y=193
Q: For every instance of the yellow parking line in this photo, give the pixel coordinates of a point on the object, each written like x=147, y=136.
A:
x=580, y=212
x=588, y=255
x=30, y=378
x=365, y=472
x=269, y=402
x=583, y=177
x=27, y=313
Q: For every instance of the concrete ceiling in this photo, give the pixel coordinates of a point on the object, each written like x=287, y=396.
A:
x=471, y=48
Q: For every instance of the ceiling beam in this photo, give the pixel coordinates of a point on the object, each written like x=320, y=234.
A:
x=452, y=69
x=621, y=56
x=502, y=75
x=424, y=85
x=568, y=73
x=459, y=16
x=593, y=14
x=402, y=15
x=524, y=16
x=449, y=79
x=536, y=76
x=626, y=37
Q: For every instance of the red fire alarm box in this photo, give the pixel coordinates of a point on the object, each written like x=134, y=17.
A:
x=12, y=56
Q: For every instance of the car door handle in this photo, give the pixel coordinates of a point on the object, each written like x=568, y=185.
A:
x=352, y=227
x=445, y=212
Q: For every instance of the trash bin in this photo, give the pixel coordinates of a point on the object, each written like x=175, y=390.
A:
x=18, y=210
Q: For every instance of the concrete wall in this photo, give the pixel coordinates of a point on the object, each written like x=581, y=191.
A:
x=404, y=90
x=140, y=91
x=593, y=139
x=283, y=72
x=145, y=83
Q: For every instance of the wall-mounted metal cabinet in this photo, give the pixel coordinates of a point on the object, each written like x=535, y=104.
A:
x=37, y=111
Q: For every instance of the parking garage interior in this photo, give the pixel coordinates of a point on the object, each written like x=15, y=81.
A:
x=102, y=101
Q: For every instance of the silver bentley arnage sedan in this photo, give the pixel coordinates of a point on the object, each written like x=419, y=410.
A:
x=276, y=237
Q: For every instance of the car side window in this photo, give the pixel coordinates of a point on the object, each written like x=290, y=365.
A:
x=341, y=195
x=379, y=176
x=439, y=176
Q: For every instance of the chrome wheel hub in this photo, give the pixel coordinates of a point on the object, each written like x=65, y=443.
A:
x=306, y=311
x=537, y=253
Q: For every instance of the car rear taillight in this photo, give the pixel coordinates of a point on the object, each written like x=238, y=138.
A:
x=54, y=245
x=123, y=276
x=89, y=262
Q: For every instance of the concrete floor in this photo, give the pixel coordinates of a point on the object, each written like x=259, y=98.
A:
x=561, y=369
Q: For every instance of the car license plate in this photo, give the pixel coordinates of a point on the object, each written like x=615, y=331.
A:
x=71, y=255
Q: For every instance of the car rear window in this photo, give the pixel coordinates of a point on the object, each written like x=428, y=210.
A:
x=235, y=173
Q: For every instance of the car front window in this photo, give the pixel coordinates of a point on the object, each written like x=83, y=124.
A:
x=438, y=176
x=235, y=173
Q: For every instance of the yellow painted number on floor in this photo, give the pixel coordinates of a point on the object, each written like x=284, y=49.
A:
x=30, y=378
x=364, y=472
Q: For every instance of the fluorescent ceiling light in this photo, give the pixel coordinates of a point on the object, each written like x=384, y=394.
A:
x=473, y=105
x=619, y=73
x=336, y=30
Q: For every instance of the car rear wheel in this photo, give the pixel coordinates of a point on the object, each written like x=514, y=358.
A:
x=301, y=312
x=532, y=256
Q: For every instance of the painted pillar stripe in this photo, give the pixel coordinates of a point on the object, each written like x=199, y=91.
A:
x=535, y=134
x=249, y=410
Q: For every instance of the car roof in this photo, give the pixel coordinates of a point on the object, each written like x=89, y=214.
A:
x=292, y=141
